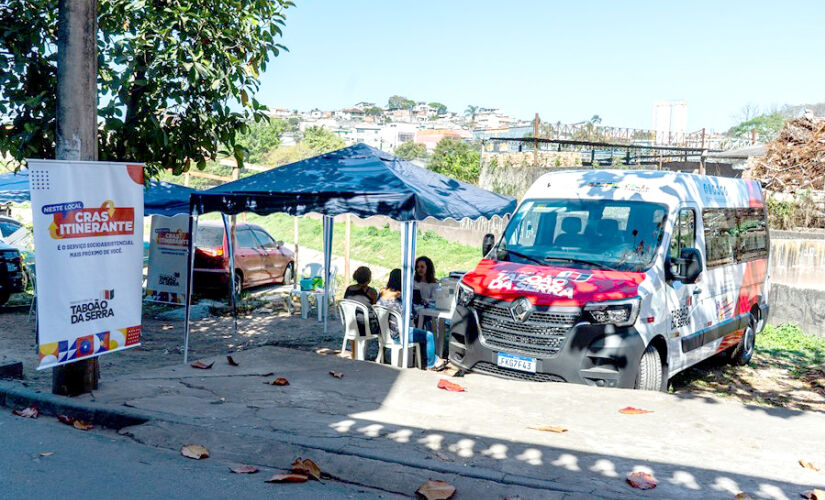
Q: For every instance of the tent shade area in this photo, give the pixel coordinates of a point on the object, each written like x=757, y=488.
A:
x=159, y=197
x=358, y=180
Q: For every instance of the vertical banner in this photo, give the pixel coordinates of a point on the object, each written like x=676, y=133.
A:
x=88, y=235
x=168, y=258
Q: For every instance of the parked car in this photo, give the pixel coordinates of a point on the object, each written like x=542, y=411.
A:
x=618, y=279
x=259, y=258
x=15, y=234
x=12, y=277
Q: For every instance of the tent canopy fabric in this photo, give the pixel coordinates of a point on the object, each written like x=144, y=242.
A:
x=159, y=198
x=360, y=180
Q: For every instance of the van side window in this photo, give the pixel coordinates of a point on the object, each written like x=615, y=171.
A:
x=752, y=241
x=684, y=232
x=720, y=236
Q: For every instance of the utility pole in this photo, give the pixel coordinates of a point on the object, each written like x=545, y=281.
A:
x=536, y=123
x=76, y=134
x=702, y=157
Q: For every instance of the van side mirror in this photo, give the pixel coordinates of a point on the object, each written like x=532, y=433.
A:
x=686, y=268
x=487, y=244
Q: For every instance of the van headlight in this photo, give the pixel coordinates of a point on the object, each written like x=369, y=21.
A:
x=464, y=294
x=614, y=312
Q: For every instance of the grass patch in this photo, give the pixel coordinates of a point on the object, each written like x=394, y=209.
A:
x=378, y=246
x=789, y=346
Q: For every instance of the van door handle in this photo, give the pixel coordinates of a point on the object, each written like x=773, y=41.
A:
x=697, y=291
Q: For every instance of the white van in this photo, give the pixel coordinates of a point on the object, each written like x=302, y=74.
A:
x=617, y=278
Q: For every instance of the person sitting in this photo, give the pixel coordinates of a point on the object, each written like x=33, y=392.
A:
x=390, y=298
x=569, y=237
x=363, y=293
x=424, y=280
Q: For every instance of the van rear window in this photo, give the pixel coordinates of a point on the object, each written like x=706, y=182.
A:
x=734, y=235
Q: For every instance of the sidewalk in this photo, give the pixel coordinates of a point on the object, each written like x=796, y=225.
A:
x=393, y=429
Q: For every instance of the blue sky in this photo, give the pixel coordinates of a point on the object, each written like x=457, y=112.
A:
x=566, y=60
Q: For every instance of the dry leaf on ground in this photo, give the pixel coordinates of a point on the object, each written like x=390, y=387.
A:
x=267, y=374
x=64, y=419
x=46, y=453
x=201, y=365
x=30, y=412
x=231, y=361
x=629, y=410
x=743, y=496
x=195, y=451
x=82, y=426
x=336, y=374
x=814, y=494
x=808, y=465
x=434, y=489
x=642, y=480
x=244, y=469
x=306, y=467
x=550, y=428
x=283, y=477
x=278, y=381
x=449, y=386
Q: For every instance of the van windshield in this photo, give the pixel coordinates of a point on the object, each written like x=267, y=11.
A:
x=584, y=234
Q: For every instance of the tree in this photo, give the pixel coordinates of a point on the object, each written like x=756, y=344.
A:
x=399, y=102
x=767, y=127
x=440, y=109
x=261, y=137
x=167, y=75
x=321, y=140
x=457, y=159
x=472, y=111
x=410, y=151
x=374, y=111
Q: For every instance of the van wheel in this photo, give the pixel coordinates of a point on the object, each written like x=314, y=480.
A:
x=742, y=353
x=650, y=370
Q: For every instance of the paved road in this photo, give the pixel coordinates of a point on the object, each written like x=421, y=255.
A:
x=101, y=464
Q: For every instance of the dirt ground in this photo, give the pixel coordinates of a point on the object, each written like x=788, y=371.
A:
x=162, y=339
x=770, y=380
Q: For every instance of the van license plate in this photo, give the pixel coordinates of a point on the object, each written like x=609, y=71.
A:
x=517, y=362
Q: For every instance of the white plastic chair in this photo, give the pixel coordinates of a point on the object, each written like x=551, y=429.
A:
x=312, y=270
x=349, y=312
x=385, y=341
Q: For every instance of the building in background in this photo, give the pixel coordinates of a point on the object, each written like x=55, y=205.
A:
x=670, y=121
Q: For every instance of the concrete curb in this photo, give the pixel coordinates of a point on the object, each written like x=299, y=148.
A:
x=337, y=458
x=13, y=395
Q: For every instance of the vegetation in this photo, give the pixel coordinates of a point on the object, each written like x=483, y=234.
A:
x=410, y=151
x=440, y=109
x=767, y=127
x=789, y=345
x=792, y=212
x=374, y=111
x=166, y=77
x=261, y=137
x=376, y=246
x=457, y=159
x=399, y=102
x=471, y=113
x=320, y=140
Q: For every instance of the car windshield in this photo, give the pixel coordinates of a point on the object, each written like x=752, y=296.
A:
x=209, y=236
x=584, y=234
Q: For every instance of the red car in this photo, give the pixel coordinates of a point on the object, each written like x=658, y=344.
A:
x=259, y=258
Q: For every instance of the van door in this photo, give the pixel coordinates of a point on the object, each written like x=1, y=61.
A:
x=686, y=315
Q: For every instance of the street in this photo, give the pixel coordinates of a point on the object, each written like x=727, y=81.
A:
x=43, y=458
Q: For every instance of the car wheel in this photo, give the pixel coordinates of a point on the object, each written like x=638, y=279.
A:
x=4, y=297
x=289, y=274
x=650, y=370
x=743, y=352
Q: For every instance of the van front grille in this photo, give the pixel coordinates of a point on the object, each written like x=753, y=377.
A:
x=542, y=335
x=491, y=369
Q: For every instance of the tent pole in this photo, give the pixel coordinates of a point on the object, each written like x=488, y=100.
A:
x=295, y=272
x=230, y=243
x=407, y=269
x=327, y=228
x=193, y=231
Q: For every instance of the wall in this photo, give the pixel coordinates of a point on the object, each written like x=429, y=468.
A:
x=798, y=262
x=512, y=173
x=803, y=306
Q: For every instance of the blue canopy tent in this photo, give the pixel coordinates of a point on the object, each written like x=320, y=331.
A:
x=360, y=180
x=159, y=197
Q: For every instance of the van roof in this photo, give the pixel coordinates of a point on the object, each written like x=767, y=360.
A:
x=669, y=188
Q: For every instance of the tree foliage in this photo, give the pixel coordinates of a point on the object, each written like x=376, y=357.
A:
x=399, y=102
x=767, y=127
x=457, y=159
x=168, y=73
x=410, y=151
x=374, y=111
x=261, y=137
x=440, y=109
x=321, y=140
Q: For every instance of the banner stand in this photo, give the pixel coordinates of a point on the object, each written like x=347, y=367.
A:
x=193, y=231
